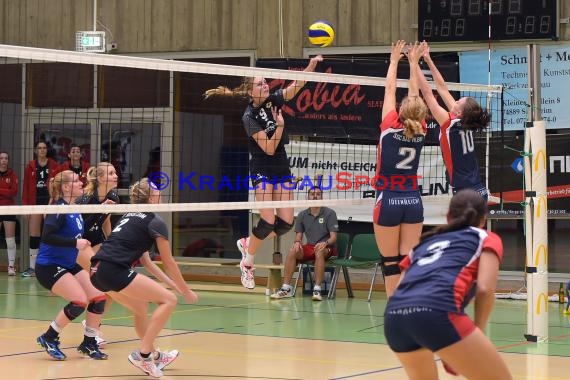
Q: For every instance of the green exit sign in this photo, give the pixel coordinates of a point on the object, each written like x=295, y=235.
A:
x=91, y=41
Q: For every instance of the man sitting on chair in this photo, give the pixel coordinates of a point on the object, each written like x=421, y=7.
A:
x=320, y=226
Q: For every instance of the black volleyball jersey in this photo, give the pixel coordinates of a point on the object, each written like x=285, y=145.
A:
x=42, y=180
x=257, y=119
x=131, y=238
x=94, y=222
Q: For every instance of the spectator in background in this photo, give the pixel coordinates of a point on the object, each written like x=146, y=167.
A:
x=36, y=178
x=153, y=166
x=8, y=191
x=320, y=226
x=75, y=164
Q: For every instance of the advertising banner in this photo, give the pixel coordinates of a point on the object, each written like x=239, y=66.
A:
x=509, y=67
x=344, y=111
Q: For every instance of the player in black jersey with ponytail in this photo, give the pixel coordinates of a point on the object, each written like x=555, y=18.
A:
x=112, y=272
x=101, y=188
x=269, y=164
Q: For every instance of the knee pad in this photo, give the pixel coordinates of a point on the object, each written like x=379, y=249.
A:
x=73, y=310
x=35, y=242
x=392, y=269
x=282, y=227
x=97, y=305
x=263, y=229
x=11, y=243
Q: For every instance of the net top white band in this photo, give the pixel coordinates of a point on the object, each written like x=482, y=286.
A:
x=210, y=206
x=51, y=55
x=179, y=207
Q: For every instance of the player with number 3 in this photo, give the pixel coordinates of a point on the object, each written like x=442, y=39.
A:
x=452, y=265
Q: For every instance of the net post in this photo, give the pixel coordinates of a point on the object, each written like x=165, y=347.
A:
x=536, y=211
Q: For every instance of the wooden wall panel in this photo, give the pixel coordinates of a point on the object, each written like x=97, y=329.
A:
x=360, y=22
x=161, y=26
x=267, y=36
x=244, y=23
x=343, y=23
x=11, y=26
x=194, y=25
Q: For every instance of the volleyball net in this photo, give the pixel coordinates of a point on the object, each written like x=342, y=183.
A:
x=149, y=118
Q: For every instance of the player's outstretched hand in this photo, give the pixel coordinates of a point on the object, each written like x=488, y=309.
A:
x=313, y=62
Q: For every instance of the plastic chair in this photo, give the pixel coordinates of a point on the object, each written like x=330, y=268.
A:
x=364, y=254
x=342, y=244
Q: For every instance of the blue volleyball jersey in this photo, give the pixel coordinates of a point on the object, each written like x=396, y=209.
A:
x=398, y=156
x=69, y=226
x=441, y=271
x=459, y=157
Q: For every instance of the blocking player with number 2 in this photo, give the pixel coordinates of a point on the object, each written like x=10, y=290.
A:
x=399, y=213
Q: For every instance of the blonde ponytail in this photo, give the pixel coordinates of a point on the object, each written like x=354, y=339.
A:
x=413, y=112
x=241, y=91
x=412, y=128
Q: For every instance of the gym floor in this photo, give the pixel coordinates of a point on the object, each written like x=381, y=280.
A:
x=247, y=336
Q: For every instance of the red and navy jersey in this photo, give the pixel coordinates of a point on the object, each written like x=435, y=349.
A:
x=441, y=271
x=257, y=119
x=398, y=156
x=458, y=150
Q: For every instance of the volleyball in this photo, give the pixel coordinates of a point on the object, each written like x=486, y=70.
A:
x=321, y=33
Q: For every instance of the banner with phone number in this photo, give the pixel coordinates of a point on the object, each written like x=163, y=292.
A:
x=509, y=67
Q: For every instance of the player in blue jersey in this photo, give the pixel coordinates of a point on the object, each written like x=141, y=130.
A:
x=398, y=213
x=112, y=272
x=426, y=314
x=465, y=116
x=57, y=270
x=269, y=164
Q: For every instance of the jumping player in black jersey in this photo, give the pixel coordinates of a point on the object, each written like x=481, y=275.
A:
x=399, y=212
x=426, y=314
x=112, y=272
x=465, y=116
x=269, y=164
x=57, y=270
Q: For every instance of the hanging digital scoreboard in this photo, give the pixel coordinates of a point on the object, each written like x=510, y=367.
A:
x=468, y=20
